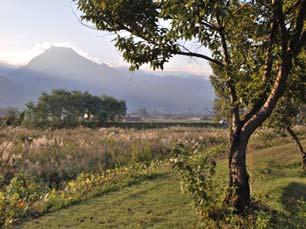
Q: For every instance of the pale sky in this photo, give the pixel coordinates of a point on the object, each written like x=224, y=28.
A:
x=29, y=27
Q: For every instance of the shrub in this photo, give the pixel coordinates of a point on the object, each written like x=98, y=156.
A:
x=197, y=170
x=18, y=197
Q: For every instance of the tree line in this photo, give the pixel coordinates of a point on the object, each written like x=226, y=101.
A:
x=65, y=109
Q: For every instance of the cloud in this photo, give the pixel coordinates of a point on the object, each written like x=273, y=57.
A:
x=184, y=69
x=23, y=57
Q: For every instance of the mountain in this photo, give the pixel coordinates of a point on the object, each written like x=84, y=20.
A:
x=13, y=94
x=6, y=68
x=64, y=68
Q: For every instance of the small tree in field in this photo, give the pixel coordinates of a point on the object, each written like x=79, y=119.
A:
x=285, y=115
x=255, y=46
x=284, y=119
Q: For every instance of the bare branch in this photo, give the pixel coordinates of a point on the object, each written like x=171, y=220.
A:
x=191, y=54
x=80, y=20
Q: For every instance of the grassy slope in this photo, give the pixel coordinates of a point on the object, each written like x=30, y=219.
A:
x=275, y=176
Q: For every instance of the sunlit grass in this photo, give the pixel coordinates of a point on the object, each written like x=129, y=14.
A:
x=276, y=179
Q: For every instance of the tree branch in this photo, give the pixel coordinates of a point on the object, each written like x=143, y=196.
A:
x=280, y=82
x=209, y=25
x=230, y=85
x=301, y=43
x=297, y=39
x=234, y=14
x=191, y=54
x=295, y=138
x=268, y=68
x=294, y=5
x=269, y=56
x=182, y=53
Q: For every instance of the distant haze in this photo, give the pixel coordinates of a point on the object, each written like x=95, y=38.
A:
x=64, y=68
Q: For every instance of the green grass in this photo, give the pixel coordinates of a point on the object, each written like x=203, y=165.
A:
x=275, y=176
x=155, y=204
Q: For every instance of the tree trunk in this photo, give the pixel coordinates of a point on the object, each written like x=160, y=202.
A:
x=297, y=141
x=239, y=190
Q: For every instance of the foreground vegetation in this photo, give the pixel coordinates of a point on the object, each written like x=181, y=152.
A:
x=60, y=155
x=158, y=203
x=45, y=170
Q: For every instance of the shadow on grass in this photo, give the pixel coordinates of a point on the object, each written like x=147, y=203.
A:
x=291, y=200
x=292, y=194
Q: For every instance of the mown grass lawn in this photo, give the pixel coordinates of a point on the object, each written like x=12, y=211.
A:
x=275, y=176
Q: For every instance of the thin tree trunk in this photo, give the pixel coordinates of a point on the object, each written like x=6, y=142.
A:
x=297, y=141
x=239, y=190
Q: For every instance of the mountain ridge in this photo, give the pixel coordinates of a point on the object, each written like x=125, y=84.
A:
x=64, y=68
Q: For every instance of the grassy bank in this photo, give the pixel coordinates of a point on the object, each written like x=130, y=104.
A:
x=276, y=178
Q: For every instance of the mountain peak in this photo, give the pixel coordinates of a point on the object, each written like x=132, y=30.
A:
x=59, y=57
x=54, y=50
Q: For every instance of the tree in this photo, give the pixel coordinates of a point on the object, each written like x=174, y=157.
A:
x=71, y=108
x=113, y=108
x=255, y=45
x=9, y=116
x=289, y=110
x=302, y=115
x=285, y=115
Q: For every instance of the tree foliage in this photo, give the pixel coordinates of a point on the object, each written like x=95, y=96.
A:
x=9, y=116
x=71, y=108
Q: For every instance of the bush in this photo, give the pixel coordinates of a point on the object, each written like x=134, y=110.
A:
x=197, y=170
x=18, y=197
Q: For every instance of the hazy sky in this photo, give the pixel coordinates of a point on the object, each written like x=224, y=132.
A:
x=28, y=27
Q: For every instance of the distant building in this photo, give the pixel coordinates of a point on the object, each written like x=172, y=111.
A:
x=132, y=119
x=223, y=122
x=195, y=118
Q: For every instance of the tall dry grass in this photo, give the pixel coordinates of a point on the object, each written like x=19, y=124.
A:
x=61, y=155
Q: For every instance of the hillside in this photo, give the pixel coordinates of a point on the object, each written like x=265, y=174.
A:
x=64, y=68
x=13, y=93
x=158, y=203
x=6, y=68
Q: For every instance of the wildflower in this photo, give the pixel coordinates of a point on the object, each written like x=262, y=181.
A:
x=21, y=204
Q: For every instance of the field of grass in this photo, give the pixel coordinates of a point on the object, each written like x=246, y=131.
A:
x=61, y=155
x=57, y=156
x=276, y=178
